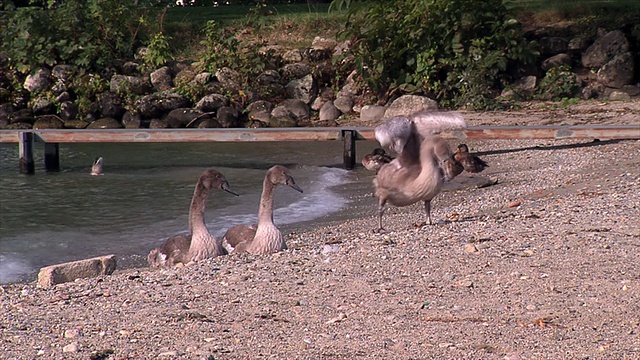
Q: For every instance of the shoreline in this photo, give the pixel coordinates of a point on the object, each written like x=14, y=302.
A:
x=544, y=264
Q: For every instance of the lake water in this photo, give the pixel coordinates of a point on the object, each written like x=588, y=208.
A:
x=144, y=197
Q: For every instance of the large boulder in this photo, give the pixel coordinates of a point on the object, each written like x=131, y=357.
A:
x=304, y=89
x=161, y=79
x=42, y=105
x=124, y=84
x=618, y=71
x=295, y=71
x=281, y=116
x=229, y=78
x=110, y=105
x=68, y=110
x=212, y=102
x=105, y=123
x=328, y=112
x=228, y=117
x=409, y=104
x=372, y=113
x=604, y=49
x=131, y=120
x=155, y=105
x=556, y=60
x=298, y=109
x=61, y=273
x=48, y=122
x=182, y=117
x=38, y=81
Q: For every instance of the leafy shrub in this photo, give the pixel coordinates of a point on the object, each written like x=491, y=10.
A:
x=158, y=52
x=90, y=34
x=458, y=51
x=558, y=84
x=224, y=48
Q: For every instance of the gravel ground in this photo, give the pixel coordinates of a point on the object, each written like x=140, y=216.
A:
x=545, y=264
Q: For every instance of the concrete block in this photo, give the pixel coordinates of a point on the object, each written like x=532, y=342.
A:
x=61, y=273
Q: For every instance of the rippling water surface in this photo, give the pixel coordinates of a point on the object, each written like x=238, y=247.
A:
x=144, y=197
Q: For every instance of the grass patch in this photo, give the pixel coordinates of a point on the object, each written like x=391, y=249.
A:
x=291, y=25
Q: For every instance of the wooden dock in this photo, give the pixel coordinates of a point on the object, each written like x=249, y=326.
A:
x=349, y=136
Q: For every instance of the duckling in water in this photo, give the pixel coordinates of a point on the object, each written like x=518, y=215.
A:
x=264, y=237
x=470, y=162
x=96, y=169
x=376, y=159
x=199, y=244
x=417, y=173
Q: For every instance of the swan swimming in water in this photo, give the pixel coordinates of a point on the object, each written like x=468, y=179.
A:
x=424, y=160
x=96, y=169
x=199, y=244
x=264, y=237
x=470, y=162
x=376, y=159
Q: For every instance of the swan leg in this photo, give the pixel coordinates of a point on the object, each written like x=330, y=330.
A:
x=380, y=212
x=427, y=209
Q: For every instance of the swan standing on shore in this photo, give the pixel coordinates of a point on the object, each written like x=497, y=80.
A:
x=199, y=244
x=417, y=173
x=264, y=237
x=96, y=169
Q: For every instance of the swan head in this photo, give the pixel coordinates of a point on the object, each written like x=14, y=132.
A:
x=462, y=148
x=96, y=169
x=213, y=179
x=280, y=175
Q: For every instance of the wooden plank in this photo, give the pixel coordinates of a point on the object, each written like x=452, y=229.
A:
x=532, y=132
x=9, y=137
x=189, y=135
x=318, y=134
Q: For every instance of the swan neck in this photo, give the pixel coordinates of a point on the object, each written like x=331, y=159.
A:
x=265, y=212
x=196, y=211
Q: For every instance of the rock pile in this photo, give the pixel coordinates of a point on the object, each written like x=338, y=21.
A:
x=297, y=91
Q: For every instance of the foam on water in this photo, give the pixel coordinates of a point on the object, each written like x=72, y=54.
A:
x=13, y=268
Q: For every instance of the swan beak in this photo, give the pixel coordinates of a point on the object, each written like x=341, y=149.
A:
x=225, y=186
x=294, y=186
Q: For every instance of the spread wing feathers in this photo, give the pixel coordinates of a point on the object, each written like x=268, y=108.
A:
x=395, y=132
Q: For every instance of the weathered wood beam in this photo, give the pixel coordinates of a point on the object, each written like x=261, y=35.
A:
x=189, y=135
x=318, y=134
x=25, y=162
x=349, y=155
x=533, y=132
x=52, y=157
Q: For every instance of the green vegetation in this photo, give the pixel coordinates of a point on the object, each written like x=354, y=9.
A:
x=457, y=51
x=461, y=52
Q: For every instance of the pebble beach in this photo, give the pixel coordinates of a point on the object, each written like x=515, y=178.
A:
x=537, y=257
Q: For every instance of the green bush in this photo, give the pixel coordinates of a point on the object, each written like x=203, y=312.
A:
x=458, y=51
x=91, y=34
x=559, y=83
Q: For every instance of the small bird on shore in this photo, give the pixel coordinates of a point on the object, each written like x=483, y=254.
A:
x=470, y=162
x=376, y=159
x=417, y=174
x=263, y=237
x=96, y=168
x=199, y=244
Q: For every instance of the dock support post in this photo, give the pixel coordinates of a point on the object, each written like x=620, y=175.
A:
x=51, y=157
x=349, y=158
x=25, y=144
